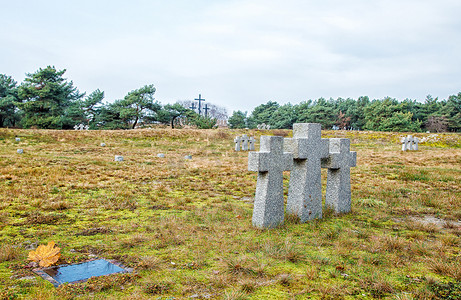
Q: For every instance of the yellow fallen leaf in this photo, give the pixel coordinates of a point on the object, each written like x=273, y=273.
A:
x=45, y=255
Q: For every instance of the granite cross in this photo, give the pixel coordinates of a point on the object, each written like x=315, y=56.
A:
x=252, y=144
x=270, y=163
x=404, y=143
x=245, y=141
x=305, y=190
x=237, y=142
x=414, y=144
x=339, y=162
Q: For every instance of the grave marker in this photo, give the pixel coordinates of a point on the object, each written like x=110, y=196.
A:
x=161, y=155
x=252, y=144
x=414, y=145
x=305, y=190
x=245, y=141
x=20, y=151
x=237, y=142
x=118, y=158
x=270, y=163
x=339, y=162
x=18, y=139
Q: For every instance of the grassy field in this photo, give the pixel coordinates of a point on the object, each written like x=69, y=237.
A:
x=185, y=225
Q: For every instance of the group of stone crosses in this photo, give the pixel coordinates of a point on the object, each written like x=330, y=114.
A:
x=81, y=127
x=304, y=155
x=263, y=126
x=409, y=143
x=242, y=142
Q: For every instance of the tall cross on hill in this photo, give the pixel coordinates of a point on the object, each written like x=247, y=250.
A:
x=206, y=108
x=199, y=103
x=193, y=107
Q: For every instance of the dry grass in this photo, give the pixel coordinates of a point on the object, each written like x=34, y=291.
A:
x=185, y=226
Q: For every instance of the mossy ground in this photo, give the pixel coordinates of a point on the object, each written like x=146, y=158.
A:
x=185, y=225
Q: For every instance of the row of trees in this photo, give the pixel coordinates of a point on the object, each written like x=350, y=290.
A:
x=47, y=100
x=362, y=114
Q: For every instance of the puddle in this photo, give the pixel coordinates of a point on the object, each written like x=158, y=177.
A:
x=79, y=272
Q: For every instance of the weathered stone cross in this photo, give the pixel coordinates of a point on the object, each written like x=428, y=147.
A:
x=305, y=191
x=237, y=142
x=245, y=141
x=270, y=163
x=252, y=144
x=409, y=143
x=339, y=162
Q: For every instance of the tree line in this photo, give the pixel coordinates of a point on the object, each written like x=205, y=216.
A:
x=47, y=100
x=386, y=114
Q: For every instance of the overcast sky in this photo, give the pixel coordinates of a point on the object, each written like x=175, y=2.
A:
x=240, y=53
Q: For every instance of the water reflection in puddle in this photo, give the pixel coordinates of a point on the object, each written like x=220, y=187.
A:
x=83, y=271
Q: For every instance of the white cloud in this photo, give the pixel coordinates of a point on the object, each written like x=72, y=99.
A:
x=241, y=53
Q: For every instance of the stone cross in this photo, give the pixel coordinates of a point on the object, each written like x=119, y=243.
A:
x=414, y=145
x=409, y=142
x=76, y=127
x=339, y=162
x=270, y=163
x=87, y=127
x=245, y=141
x=237, y=142
x=81, y=127
x=252, y=144
x=305, y=190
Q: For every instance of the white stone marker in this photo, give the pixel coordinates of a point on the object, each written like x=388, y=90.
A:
x=20, y=151
x=305, y=191
x=270, y=163
x=237, y=142
x=409, y=142
x=161, y=155
x=414, y=145
x=103, y=145
x=404, y=142
x=339, y=162
x=76, y=127
x=188, y=157
x=245, y=141
x=18, y=139
x=118, y=158
x=252, y=144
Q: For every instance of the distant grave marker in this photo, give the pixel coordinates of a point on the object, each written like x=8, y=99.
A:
x=18, y=139
x=118, y=158
x=103, y=145
x=237, y=142
x=244, y=143
x=409, y=143
x=252, y=143
x=161, y=155
x=20, y=151
x=188, y=157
